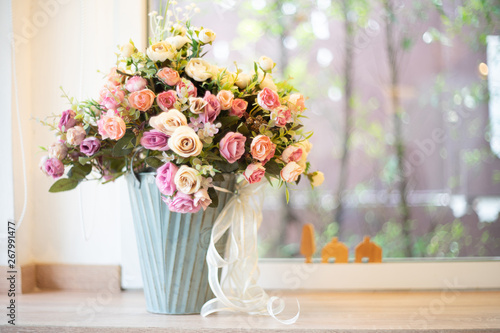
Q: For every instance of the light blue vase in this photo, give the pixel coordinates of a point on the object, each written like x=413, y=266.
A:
x=173, y=247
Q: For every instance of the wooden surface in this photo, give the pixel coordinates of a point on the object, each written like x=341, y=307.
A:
x=78, y=277
x=104, y=311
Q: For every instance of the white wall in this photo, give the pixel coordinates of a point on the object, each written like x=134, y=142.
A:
x=6, y=174
x=49, y=57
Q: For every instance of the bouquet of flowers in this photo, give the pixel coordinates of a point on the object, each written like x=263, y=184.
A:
x=192, y=121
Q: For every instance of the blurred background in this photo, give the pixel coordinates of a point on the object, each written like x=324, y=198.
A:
x=404, y=104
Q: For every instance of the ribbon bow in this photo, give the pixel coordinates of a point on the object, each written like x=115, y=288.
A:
x=238, y=291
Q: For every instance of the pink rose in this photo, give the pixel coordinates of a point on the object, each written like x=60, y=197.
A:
x=283, y=116
x=53, y=167
x=111, y=126
x=182, y=203
x=166, y=100
x=111, y=99
x=67, y=120
x=202, y=198
x=211, y=110
x=232, y=146
x=155, y=140
x=254, y=173
x=262, y=149
x=142, y=99
x=90, y=146
x=292, y=154
x=296, y=103
x=113, y=79
x=136, y=83
x=239, y=107
x=291, y=172
x=165, y=178
x=268, y=99
x=186, y=88
x=168, y=76
x=225, y=98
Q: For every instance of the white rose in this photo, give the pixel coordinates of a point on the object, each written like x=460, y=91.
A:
x=168, y=122
x=266, y=63
x=187, y=180
x=198, y=69
x=161, y=51
x=185, y=142
x=177, y=41
x=127, y=50
x=243, y=80
x=317, y=178
x=58, y=150
x=206, y=36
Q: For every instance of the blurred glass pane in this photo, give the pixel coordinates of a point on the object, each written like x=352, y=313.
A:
x=404, y=102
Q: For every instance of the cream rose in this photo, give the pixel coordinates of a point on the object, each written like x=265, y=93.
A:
x=187, y=180
x=185, y=142
x=266, y=63
x=197, y=105
x=161, y=51
x=317, y=178
x=306, y=148
x=225, y=98
x=305, y=145
x=228, y=78
x=179, y=29
x=75, y=135
x=296, y=103
x=177, y=41
x=198, y=69
x=291, y=172
x=206, y=36
x=267, y=82
x=58, y=150
x=243, y=80
x=168, y=122
x=126, y=50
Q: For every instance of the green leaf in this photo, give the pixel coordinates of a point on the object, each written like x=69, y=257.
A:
x=273, y=168
x=225, y=166
x=218, y=177
x=84, y=160
x=287, y=193
x=243, y=129
x=121, y=147
x=229, y=121
x=79, y=171
x=153, y=162
x=214, y=197
x=64, y=184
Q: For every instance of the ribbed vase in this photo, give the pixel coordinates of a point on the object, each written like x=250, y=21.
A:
x=173, y=247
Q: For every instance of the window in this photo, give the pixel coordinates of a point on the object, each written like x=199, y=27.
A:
x=410, y=158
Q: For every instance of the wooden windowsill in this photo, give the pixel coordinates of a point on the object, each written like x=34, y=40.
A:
x=447, y=311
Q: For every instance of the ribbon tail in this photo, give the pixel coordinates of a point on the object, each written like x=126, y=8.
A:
x=237, y=290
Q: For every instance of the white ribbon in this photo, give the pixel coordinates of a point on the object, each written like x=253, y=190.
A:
x=238, y=290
